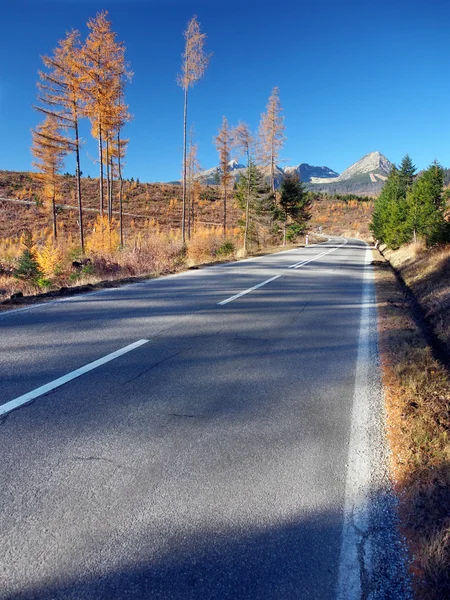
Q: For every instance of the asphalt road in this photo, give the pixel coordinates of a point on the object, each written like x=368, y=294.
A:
x=216, y=460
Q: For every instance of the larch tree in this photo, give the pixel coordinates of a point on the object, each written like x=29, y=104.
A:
x=60, y=94
x=193, y=168
x=244, y=144
x=271, y=134
x=116, y=148
x=224, y=145
x=49, y=148
x=104, y=72
x=195, y=62
x=119, y=151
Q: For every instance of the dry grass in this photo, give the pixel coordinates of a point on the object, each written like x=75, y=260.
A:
x=427, y=273
x=417, y=393
x=349, y=219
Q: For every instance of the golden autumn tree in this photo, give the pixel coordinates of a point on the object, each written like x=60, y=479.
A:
x=195, y=62
x=104, y=74
x=224, y=144
x=271, y=134
x=60, y=95
x=49, y=149
x=244, y=144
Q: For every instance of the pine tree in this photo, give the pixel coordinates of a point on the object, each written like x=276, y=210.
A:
x=406, y=175
x=390, y=211
x=224, y=144
x=195, y=62
x=426, y=207
x=294, y=203
x=271, y=134
x=28, y=267
x=254, y=195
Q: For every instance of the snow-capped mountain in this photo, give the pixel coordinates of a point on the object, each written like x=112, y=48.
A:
x=213, y=175
x=307, y=172
x=304, y=171
x=365, y=176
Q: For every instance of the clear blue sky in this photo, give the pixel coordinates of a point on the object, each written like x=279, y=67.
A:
x=354, y=76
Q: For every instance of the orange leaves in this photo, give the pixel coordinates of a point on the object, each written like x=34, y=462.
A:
x=104, y=237
x=104, y=72
x=195, y=60
x=271, y=133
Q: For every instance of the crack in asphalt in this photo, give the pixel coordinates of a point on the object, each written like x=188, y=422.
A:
x=181, y=415
x=154, y=365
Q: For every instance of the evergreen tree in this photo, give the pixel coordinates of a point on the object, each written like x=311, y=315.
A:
x=406, y=175
x=244, y=143
x=294, y=203
x=28, y=267
x=389, y=216
x=254, y=195
x=426, y=207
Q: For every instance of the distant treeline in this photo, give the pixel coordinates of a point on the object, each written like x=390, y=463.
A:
x=340, y=197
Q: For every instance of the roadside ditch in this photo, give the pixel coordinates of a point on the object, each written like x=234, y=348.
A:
x=413, y=297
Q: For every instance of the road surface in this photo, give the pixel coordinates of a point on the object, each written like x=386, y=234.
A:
x=215, y=434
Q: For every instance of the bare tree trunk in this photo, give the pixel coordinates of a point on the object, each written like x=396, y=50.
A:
x=78, y=176
x=224, y=210
x=107, y=179
x=55, y=231
x=111, y=184
x=193, y=212
x=183, y=216
x=100, y=156
x=272, y=172
x=285, y=225
x=119, y=168
x=247, y=207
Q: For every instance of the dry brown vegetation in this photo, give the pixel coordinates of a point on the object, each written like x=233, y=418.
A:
x=337, y=217
x=417, y=392
x=427, y=274
x=152, y=224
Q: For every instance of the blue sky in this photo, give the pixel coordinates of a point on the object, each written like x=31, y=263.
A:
x=354, y=76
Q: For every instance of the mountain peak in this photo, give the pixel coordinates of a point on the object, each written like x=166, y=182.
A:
x=370, y=163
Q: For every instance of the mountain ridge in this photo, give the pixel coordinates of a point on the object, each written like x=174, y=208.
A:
x=366, y=176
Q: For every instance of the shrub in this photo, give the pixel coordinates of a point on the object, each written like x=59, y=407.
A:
x=28, y=268
x=226, y=249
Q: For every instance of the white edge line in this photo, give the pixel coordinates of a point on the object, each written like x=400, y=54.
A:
x=48, y=387
x=357, y=486
x=255, y=287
